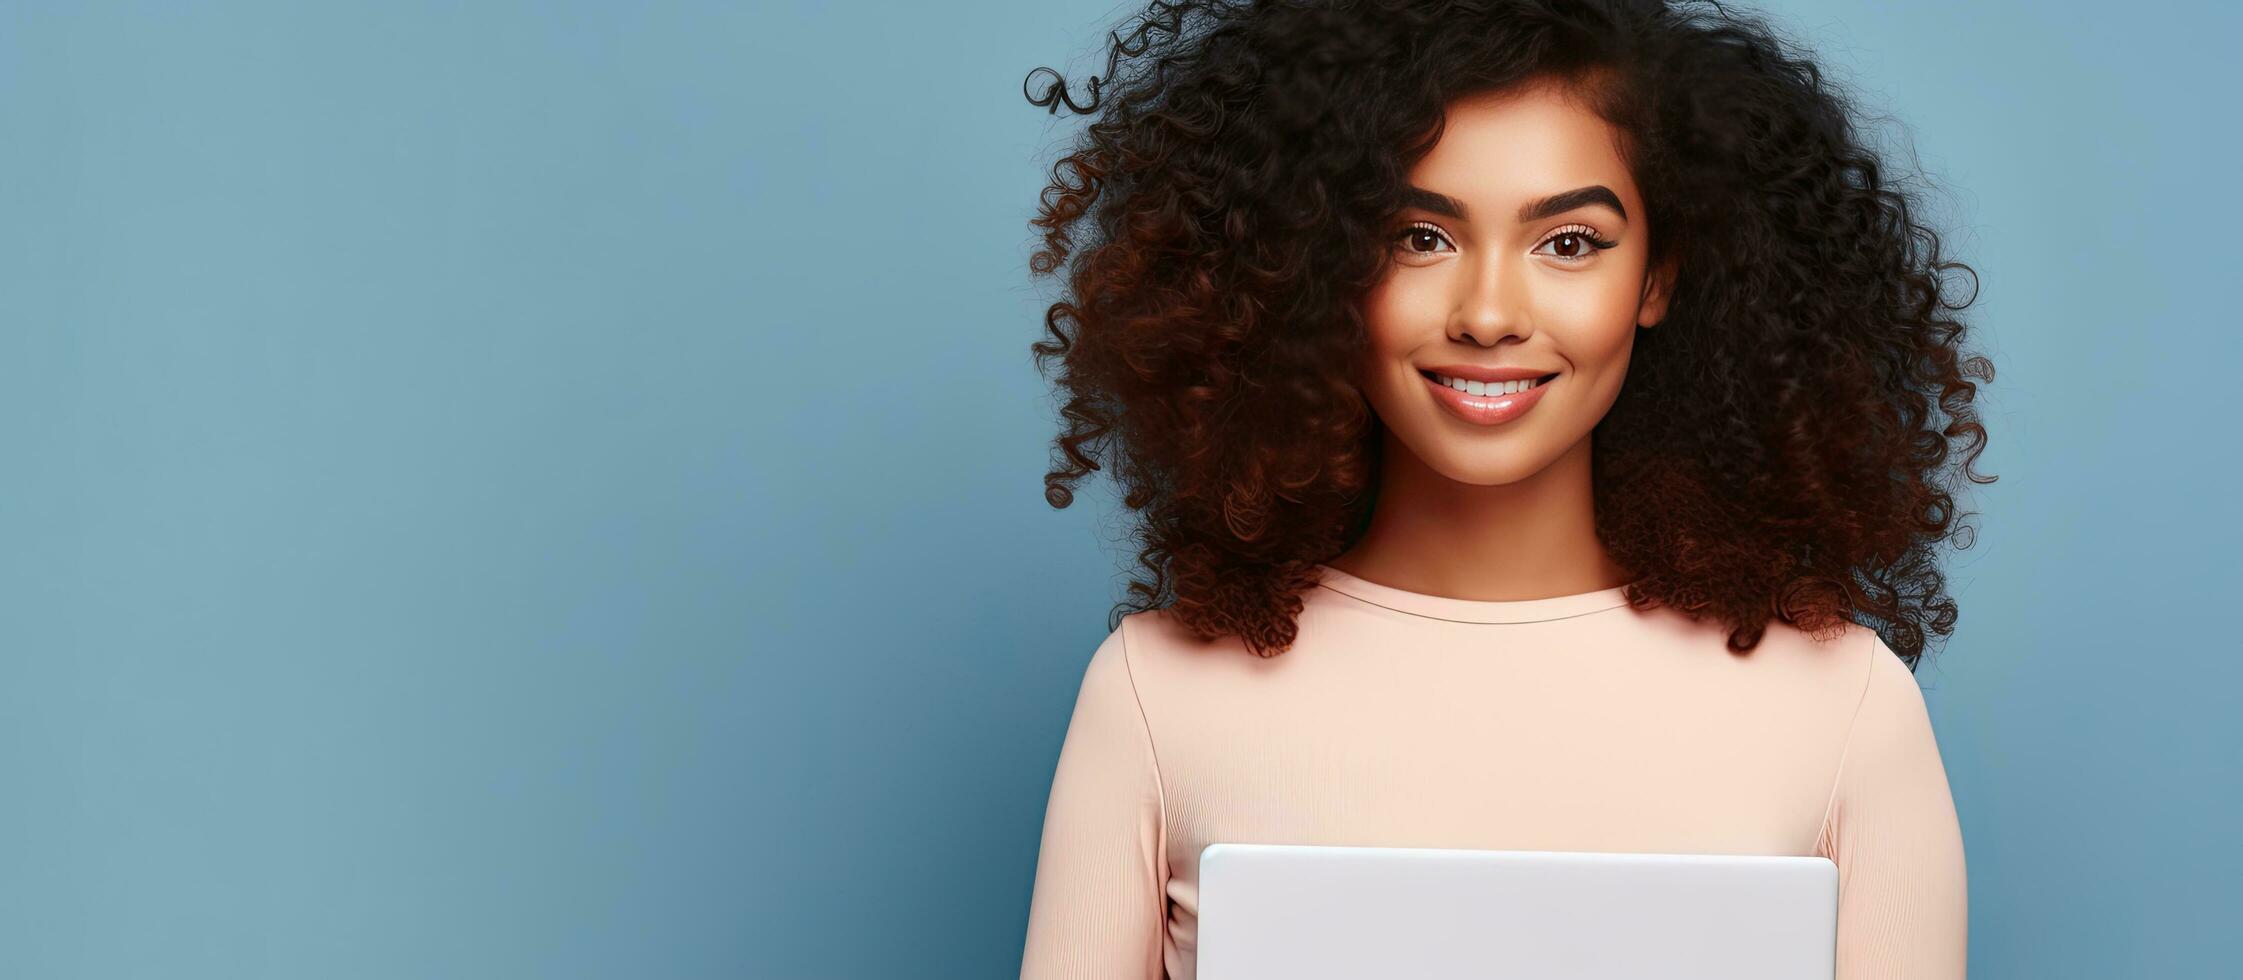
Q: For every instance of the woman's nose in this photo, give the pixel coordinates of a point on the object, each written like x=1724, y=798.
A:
x=1491, y=306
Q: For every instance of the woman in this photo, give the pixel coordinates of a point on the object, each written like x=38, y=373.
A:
x=1526, y=404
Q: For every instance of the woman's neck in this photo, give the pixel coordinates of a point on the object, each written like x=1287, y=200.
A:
x=1531, y=539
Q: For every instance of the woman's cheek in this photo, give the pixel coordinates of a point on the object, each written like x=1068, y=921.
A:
x=1598, y=317
x=1399, y=307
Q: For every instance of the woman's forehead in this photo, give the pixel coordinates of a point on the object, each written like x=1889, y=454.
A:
x=1501, y=149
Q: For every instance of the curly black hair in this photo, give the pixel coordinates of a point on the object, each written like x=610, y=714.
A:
x=1784, y=446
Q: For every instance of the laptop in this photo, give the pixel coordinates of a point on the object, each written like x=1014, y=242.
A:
x=1317, y=912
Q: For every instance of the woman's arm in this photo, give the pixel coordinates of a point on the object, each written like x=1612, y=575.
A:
x=1100, y=907
x=1892, y=831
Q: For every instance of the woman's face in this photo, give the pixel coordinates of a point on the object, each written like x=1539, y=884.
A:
x=1521, y=254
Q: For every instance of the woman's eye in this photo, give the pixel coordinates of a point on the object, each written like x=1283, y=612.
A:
x=1422, y=239
x=1576, y=244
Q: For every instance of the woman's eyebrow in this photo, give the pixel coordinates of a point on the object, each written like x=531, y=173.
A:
x=1559, y=203
x=1434, y=201
x=1578, y=197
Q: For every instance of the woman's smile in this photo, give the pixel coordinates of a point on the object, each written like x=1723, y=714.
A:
x=1490, y=402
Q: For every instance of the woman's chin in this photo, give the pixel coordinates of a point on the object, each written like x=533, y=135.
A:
x=1486, y=464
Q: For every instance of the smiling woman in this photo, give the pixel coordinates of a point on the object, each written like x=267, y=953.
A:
x=1272, y=200
x=1542, y=417
x=1542, y=295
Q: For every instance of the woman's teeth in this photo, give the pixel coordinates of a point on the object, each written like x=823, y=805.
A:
x=1486, y=387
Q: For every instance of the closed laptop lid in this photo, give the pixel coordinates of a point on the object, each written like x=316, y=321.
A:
x=1312, y=912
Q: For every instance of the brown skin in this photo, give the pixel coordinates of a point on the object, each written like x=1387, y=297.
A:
x=1504, y=512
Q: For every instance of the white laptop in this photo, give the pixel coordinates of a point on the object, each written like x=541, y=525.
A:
x=1303, y=912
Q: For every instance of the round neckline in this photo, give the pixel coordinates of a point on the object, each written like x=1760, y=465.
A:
x=1472, y=610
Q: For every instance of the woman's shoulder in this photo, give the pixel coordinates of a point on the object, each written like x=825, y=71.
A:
x=1835, y=659
x=1325, y=614
x=1838, y=660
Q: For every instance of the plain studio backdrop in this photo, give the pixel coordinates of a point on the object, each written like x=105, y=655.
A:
x=451, y=451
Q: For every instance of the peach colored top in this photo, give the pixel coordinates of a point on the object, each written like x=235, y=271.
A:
x=1573, y=723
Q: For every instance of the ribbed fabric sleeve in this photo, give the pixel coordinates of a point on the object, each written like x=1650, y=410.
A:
x=1893, y=833
x=1100, y=907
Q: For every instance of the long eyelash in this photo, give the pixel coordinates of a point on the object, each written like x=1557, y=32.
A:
x=1584, y=232
x=1428, y=226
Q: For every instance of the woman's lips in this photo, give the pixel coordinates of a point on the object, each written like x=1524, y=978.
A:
x=1487, y=409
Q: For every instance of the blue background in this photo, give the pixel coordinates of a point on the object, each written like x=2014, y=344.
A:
x=509, y=490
